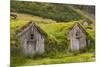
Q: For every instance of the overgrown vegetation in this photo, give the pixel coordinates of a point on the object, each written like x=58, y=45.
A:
x=56, y=20
x=56, y=44
x=19, y=60
x=53, y=11
x=58, y=12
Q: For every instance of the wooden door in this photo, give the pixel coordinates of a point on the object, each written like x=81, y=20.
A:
x=75, y=44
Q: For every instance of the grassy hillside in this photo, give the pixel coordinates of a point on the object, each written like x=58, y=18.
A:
x=56, y=32
x=56, y=44
x=56, y=20
x=86, y=15
x=58, y=12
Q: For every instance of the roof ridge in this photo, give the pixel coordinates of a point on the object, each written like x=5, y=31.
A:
x=33, y=24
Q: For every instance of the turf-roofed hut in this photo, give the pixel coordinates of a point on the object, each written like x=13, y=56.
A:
x=78, y=37
x=32, y=39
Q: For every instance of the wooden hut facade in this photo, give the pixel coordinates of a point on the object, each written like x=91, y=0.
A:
x=32, y=39
x=77, y=37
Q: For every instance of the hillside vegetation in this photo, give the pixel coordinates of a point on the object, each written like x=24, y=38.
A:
x=56, y=32
x=59, y=12
x=56, y=45
x=55, y=20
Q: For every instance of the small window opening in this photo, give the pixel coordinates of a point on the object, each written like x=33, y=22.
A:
x=32, y=36
x=77, y=35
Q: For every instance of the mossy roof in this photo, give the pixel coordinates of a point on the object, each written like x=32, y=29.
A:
x=36, y=26
x=53, y=28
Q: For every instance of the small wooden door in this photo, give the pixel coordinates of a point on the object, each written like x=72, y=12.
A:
x=75, y=44
x=24, y=47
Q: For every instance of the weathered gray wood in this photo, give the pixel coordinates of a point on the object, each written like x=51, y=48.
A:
x=31, y=46
x=77, y=43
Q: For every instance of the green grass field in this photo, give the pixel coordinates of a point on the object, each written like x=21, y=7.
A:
x=22, y=61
